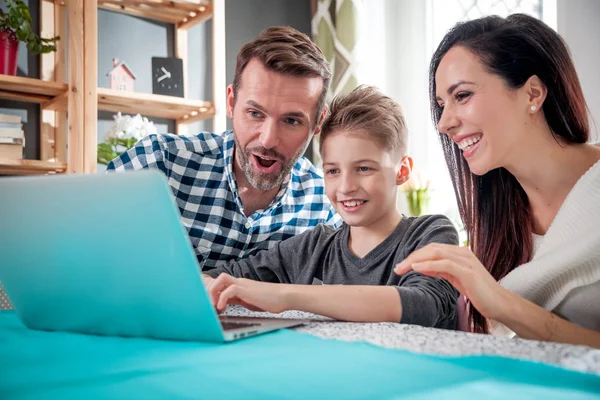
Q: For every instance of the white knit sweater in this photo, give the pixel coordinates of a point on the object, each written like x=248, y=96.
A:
x=564, y=274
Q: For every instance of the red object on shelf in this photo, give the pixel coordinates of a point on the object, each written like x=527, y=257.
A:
x=9, y=47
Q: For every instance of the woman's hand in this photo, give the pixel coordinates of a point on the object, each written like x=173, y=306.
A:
x=460, y=267
x=255, y=296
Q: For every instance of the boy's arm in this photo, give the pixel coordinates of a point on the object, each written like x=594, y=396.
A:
x=279, y=264
x=348, y=303
x=429, y=301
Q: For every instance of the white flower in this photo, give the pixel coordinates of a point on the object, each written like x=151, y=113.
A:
x=128, y=127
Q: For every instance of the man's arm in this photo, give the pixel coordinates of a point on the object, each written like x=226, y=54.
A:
x=146, y=153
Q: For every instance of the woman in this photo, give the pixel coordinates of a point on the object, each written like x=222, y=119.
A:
x=513, y=122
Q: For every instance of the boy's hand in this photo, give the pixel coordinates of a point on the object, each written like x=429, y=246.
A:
x=207, y=280
x=255, y=296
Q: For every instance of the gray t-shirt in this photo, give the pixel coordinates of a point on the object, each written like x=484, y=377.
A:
x=322, y=256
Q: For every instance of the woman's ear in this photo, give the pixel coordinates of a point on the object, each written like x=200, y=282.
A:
x=536, y=93
x=406, y=166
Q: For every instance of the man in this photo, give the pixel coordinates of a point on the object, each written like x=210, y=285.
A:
x=250, y=188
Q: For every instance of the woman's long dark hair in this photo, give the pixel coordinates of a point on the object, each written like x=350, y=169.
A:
x=494, y=207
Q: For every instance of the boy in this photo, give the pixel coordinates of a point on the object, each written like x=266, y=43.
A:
x=363, y=145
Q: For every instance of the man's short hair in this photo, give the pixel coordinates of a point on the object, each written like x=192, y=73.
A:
x=367, y=111
x=286, y=51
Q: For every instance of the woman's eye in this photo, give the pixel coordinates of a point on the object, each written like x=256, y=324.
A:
x=460, y=96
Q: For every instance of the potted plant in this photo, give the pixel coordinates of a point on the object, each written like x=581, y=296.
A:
x=16, y=25
x=123, y=134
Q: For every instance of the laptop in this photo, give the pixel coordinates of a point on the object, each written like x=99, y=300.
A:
x=107, y=254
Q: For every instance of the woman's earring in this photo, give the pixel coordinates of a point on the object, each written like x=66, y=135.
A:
x=533, y=108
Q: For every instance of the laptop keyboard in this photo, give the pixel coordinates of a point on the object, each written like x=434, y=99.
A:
x=227, y=326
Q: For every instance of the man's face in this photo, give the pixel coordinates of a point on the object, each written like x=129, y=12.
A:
x=273, y=122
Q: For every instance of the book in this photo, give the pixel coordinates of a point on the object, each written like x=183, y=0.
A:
x=12, y=119
x=12, y=133
x=8, y=140
x=11, y=152
x=10, y=125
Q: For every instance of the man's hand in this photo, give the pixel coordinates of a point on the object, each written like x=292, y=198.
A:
x=255, y=296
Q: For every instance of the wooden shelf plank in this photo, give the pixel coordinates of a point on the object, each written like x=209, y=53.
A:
x=177, y=108
x=184, y=15
x=30, y=167
x=30, y=90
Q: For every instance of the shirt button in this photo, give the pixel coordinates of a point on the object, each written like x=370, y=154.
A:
x=248, y=225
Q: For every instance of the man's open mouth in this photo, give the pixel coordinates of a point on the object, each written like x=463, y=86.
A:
x=264, y=161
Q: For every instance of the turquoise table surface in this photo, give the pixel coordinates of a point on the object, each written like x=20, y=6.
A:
x=284, y=364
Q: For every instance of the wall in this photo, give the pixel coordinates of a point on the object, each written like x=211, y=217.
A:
x=579, y=24
x=137, y=40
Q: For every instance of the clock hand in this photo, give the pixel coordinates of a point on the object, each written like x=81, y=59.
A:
x=165, y=76
x=164, y=70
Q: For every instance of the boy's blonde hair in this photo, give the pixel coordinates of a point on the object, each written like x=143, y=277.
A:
x=367, y=111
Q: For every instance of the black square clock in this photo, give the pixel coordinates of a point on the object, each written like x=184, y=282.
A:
x=167, y=76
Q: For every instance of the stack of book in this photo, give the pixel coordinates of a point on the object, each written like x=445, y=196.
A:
x=12, y=139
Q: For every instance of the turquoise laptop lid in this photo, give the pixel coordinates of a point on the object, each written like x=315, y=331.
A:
x=102, y=254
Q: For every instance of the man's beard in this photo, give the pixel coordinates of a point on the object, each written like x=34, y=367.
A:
x=259, y=180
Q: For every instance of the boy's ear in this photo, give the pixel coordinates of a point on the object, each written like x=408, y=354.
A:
x=320, y=122
x=230, y=101
x=406, y=166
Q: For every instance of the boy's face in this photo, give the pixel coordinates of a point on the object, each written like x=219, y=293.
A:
x=361, y=177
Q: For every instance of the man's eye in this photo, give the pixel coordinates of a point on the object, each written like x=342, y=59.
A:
x=254, y=114
x=292, y=121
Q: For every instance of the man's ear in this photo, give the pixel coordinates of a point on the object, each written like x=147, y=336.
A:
x=230, y=101
x=406, y=166
x=536, y=93
x=320, y=122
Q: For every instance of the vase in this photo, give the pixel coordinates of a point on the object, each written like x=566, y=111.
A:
x=9, y=48
x=418, y=201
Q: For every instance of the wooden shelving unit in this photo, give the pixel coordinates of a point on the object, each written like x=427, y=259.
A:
x=180, y=109
x=31, y=167
x=30, y=90
x=81, y=99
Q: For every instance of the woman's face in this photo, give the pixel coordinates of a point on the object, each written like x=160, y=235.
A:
x=485, y=118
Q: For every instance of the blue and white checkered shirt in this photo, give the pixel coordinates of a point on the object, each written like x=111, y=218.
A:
x=200, y=173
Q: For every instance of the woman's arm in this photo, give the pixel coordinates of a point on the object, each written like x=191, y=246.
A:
x=460, y=267
x=530, y=321
x=348, y=303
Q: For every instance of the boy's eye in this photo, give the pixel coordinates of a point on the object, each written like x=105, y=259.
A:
x=364, y=169
x=332, y=171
